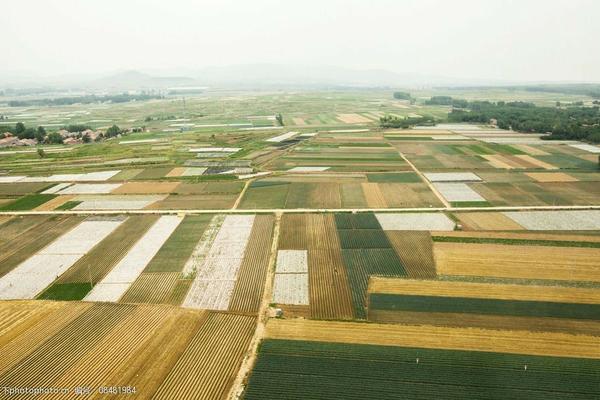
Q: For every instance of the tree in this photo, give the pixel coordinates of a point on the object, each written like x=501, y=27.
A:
x=113, y=131
x=279, y=119
x=28, y=133
x=402, y=96
x=86, y=138
x=41, y=152
x=55, y=138
x=40, y=134
x=19, y=128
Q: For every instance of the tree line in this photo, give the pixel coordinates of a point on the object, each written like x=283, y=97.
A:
x=569, y=123
x=66, y=101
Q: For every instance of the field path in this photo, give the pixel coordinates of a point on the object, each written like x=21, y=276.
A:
x=263, y=316
x=429, y=184
x=242, y=193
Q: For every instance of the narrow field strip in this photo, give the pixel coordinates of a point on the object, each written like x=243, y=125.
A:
x=452, y=177
x=118, y=280
x=517, y=261
x=329, y=285
x=576, y=220
x=514, y=241
x=215, y=280
x=425, y=336
x=250, y=284
x=37, y=272
x=415, y=222
x=116, y=202
x=89, y=188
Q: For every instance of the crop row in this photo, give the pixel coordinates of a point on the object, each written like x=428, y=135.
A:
x=317, y=370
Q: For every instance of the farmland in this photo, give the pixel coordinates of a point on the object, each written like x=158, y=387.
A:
x=220, y=254
x=296, y=369
x=548, y=308
x=152, y=348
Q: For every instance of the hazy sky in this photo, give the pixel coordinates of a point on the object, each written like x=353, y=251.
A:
x=477, y=39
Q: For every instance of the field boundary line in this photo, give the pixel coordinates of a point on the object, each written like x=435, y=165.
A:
x=424, y=178
x=242, y=193
x=302, y=210
x=263, y=316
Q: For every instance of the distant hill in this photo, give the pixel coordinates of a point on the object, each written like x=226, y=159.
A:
x=138, y=80
x=251, y=75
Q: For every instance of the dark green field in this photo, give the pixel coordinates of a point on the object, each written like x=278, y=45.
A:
x=516, y=308
x=288, y=369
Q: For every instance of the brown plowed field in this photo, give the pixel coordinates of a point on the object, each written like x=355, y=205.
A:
x=415, y=250
x=250, y=283
x=152, y=287
x=293, y=232
x=13, y=227
x=329, y=290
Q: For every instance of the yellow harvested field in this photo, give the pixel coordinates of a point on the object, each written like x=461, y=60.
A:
x=164, y=351
x=506, y=322
x=551, y=177
x=484, y=290
x=353, y=119
x=522, y=235
x=373, y=195
x=177, y=171
x=55, y=202
x=532, y=151
x=498, y=161
x=512, y=261
x=536, y=162
x=146, y=188
x=426, y=336
x=487, y=221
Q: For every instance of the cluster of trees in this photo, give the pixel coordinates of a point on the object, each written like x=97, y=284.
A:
x=76, y=128
x=447, y=101
x=23, y=132
x=113, y=131
x=402, y=96
x=65, y=101
x=572, y=123
x=389, y=121
x=585, y=89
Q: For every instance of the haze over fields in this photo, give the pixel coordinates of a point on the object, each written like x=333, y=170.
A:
x=378, y=42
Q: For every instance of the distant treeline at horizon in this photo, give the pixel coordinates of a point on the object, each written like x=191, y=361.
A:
x=87, y=99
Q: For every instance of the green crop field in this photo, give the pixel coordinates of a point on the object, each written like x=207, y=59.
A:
x=440, y=304
x=293, y=369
